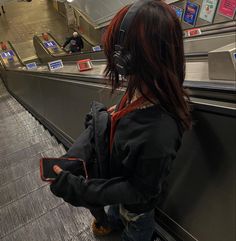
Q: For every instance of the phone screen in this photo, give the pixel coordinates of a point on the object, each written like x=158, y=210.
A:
x=74, y=165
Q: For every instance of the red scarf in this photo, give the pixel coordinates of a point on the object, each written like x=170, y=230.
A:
x=122, y=111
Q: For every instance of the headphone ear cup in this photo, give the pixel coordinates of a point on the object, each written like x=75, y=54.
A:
x=122, y=63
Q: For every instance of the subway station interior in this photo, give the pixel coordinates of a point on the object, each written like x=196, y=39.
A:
x=44, y=97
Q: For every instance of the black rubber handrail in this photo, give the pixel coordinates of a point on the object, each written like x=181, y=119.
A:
x=196, y=55
x=62, y=55
x=16, y=53
x=213, y=32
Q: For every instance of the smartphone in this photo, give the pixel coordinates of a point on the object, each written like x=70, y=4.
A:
x=76, y=166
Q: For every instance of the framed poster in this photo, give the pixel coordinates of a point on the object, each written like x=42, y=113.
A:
x=178, y=11
x=227, y=8
x=191, y=12
x=208, y=10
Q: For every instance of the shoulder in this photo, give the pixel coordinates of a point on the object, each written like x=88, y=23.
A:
x=151, y=129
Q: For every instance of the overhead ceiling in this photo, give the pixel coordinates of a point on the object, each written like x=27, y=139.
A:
x=99, y=11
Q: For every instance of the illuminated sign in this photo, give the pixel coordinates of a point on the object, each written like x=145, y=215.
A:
x=55, y=65
x=96, y=48
x=178, y=11
x=190, y=14
x=31, y=66
x=50, y=44
x=208, y=10
x=84, y=64
x=7, y=54
x=227, y=8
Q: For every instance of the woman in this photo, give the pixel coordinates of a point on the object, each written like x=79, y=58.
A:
x=143, y=43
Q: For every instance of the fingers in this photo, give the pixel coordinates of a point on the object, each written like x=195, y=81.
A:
x=111, y=109
x=57, y=169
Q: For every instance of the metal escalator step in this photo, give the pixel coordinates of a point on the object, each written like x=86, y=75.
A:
x=19, y=188
x=28, y=210
x=22, y=168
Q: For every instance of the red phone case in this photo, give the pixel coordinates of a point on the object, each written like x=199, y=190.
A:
x=69, y=159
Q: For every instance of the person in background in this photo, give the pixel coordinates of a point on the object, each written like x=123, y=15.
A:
x=76, y=43
x=3, y=10
x=145, y=51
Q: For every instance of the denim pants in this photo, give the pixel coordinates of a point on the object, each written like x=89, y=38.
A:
x=136, y=227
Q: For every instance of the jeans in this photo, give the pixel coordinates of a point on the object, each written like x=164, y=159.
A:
x=136, y=227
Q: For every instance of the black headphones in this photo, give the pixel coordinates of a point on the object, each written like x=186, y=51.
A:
x=122, y=59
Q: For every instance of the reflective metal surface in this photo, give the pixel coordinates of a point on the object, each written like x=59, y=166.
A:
x=102, y=12
x=223, y=58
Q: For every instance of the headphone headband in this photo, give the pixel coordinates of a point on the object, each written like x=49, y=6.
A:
x=123, y=60
x=127, y=20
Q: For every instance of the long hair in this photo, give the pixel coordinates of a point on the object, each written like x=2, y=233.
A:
x=155, y=42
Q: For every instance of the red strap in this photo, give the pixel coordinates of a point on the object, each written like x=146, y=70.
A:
x=122, y=111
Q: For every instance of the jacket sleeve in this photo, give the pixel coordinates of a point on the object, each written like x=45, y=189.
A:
x=95, y=192
x=84, y=145
x=140, y=187
x=67, y=42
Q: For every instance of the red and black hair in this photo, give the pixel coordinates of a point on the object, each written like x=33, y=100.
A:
x=155, y=42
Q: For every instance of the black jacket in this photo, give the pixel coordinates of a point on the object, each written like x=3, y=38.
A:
x=145, y=144
x=93, y=144
x=76, y=44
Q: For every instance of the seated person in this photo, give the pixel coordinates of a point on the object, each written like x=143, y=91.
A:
x=76, y=43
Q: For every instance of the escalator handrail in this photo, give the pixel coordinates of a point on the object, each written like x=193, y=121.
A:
x=196, y=54
x=224, y=86
x=62, y=55
x=16, y=53
x=187, y=55
x=231, y=29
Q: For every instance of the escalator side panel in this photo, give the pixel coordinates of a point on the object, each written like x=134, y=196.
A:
x=63, y=104
x=200, y=204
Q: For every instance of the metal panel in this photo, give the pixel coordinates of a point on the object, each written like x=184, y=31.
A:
x=102, y=12
x=223, y=58
x=201, y=195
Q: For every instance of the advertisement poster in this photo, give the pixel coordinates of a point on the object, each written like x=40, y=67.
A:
x=208, y=10
x=178, y=11
x=227, y=8
x=190, y=14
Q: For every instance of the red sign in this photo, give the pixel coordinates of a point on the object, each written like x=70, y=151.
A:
x=3, y=46
x=193, y=32
x=84, y=64
x=227, y=8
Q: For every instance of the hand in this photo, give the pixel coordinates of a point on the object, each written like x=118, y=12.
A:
x=57, y=169
x=111, y=109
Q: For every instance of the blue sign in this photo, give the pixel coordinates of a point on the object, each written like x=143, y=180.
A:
x=54, y=65
x=32, y=65
x=8, y=54
x=191, y=12
x=96, y=48
x=178, y=11
x=50, y=44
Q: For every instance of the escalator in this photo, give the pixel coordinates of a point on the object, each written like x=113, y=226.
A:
x=48, y=50
x=60, y=100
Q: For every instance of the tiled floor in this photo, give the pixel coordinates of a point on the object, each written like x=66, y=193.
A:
x=23, y=20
